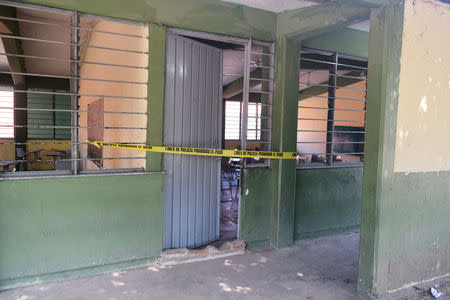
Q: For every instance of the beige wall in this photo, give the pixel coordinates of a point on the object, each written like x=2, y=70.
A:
x=353, y=91
x=7, y=151
x=423, y=122
x=116, y=89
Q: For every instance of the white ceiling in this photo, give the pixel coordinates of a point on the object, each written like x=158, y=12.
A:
x=274, y=5
x=278, y=6
x=363, y=26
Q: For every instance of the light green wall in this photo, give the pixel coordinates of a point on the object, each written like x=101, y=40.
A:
x=256, y=205
x=328, y=201
x=56, y=228
x=346, y=41
x=413, y=230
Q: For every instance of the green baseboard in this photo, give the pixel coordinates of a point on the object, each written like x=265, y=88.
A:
x=328, y=232
x=76, y=273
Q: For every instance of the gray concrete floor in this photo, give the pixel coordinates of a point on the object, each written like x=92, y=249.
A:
x=324, y=268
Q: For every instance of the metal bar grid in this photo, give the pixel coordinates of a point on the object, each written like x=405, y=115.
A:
x=333, y=63
x=337, y=98
x=75, y=111
x=329, y=120
x=335, y=75
x=74, y=89
x=334, y=140
x=49, y=104
x=70, y=27
x=77, y=94
x=37, y=126
x=71, y=77
x=330, y=143
x=72, y=61
x=327, y=85
x=329, y=153
x=343, y=109
x=22, y=38
x=80, y=159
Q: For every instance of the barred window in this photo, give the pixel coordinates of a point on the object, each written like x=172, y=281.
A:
x=73, y=78
x=7, y=114
x=331, y=109
x=233, y=121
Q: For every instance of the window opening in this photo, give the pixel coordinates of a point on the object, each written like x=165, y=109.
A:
x=331, y=109
x=6, y=114
x=59, y=64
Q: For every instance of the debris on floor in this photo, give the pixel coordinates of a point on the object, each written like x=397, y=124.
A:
x=184, y=255
x=435, y=293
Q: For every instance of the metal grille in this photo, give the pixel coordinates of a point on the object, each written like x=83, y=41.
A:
x=75, y=77
x=331, y=109
x=256, y=120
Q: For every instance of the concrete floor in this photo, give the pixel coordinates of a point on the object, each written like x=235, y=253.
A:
x=324, y=268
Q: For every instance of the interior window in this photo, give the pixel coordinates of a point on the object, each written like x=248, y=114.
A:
x=331, y=109
x=70, y=78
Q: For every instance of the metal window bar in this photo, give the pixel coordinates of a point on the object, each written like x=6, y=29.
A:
x=261, y=55
x=340, y=137
x=77, y=94
x=337, y=98
x=69, y=26
x=72, y=61
x=74, y=89
x=22, y=38
x=76, y=111
x=333, y=86
x=71, y=77
x=53, y=112
x=333, y=63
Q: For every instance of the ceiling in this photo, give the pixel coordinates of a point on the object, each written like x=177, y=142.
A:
x=277, y=6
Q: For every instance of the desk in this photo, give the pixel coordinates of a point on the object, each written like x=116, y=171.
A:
x=6, y=163
x=55, y=156
x=34, y=153
x=62, y=152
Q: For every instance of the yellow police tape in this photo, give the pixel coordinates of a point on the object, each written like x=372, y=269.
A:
x=199, y=151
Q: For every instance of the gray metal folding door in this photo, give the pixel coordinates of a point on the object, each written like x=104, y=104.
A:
x=192, y=118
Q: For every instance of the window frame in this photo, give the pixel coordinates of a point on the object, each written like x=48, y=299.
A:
x=330, y=135
x=73, y=92
x=258, y=126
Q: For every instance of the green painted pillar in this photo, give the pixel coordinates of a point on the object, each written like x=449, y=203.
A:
x=155, y=92
x=385, y=43
x=284, y=137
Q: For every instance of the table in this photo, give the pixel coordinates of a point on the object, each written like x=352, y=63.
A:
x=34, y=153
x=6, y=163
x=55, y=156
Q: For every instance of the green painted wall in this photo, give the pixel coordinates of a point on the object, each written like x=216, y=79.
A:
x=346, y=41
x=256, y=206
x=51, y=226
x=385, y=43
x=405, y=216
x=327, y=201
x=414, y=230
x=62, y=227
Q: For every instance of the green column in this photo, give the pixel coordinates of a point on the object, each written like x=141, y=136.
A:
x=385, y=43
x=284, y=139
x=155, y=92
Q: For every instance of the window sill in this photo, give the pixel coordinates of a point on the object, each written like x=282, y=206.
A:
x=68, y=174
x=335, y=165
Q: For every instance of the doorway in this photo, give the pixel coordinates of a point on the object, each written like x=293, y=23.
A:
x=205, y=74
